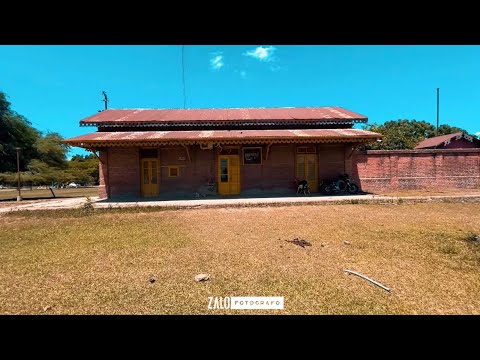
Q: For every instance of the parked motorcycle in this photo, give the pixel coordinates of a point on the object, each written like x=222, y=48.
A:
x=342, y=184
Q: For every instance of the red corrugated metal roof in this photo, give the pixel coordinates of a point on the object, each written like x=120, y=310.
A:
x=115, y=116
x=216, y=135
x=435, y=141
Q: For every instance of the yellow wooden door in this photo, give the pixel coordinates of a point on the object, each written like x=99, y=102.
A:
x=150, y=183
x=307, y=169
x=228, y=174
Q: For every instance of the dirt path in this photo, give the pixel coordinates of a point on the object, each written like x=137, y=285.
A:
x=69, y=203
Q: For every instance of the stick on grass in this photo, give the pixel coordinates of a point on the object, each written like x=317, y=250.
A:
x=368, y=279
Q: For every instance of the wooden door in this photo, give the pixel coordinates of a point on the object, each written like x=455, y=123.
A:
x=228, y=174
x=307, y=169
x=150, y=183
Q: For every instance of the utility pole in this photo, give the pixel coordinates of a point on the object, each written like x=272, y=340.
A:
x=438, y=107
x=19, y=196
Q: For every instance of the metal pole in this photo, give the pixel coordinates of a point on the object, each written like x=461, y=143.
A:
x=19, y=196
x=438, y=107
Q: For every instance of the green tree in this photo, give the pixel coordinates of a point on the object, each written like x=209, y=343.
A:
x=52, y=151
x=48, y=166
x=83, y=169
x=406, y=134
x=15, y=131
x=401, y=134
x=447, y=129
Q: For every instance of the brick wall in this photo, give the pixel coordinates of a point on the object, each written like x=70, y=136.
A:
x=123, y=179
x=374, y=171
x=275, y=174
x=331, y=160
x=192, y=175
x=378, y=170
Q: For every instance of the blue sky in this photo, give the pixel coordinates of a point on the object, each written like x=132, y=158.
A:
x=57, y=86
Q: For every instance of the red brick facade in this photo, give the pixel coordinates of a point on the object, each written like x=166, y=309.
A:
x=374, y=171
x=378, y=170
x=120, y=169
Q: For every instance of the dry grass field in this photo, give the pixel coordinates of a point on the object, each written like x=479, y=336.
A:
x=66, y=262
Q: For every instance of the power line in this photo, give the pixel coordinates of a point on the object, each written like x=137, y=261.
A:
x=183, y=76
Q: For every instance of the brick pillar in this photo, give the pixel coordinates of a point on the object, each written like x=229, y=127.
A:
x=103, y=175
x=440, y=180
x=393, y=172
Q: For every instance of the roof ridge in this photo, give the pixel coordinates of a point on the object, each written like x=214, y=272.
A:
x=233, y=108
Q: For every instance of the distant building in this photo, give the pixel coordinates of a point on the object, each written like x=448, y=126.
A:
x=457, y=140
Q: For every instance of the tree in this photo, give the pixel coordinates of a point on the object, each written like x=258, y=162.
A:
x=15, y=131
x=401, y=134
x=406, y=134
x=447, y=129
x=83, y=169
x=43, y=156
x=52, y=150
x=47, y=167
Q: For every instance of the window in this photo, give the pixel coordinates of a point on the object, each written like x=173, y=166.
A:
x=252, y=155
x=223, y=170
x=173, y=171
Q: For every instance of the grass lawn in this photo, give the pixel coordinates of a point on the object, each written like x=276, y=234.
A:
x=60, y=262
x=11, y=194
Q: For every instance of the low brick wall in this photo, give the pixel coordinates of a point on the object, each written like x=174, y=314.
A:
x=380, y=170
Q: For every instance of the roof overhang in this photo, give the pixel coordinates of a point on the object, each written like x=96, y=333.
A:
x=220, y=137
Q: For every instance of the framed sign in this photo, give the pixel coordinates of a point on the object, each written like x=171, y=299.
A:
x=252, y=156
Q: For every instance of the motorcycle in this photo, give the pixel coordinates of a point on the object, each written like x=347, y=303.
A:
x=342, y=184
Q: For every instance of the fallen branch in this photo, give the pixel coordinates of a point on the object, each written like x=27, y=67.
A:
x=368, y=279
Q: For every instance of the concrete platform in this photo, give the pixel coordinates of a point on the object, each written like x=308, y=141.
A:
x=70, y=203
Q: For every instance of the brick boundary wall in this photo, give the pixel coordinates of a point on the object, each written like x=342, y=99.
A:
x=380, y=170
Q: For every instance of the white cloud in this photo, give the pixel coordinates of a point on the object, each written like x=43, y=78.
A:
x=477, y=133
x=216, y=62
x=262, y=53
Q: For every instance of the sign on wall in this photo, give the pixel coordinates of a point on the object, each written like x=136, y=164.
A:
x=252, y=156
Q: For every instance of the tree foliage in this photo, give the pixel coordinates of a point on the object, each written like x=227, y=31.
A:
x=43, y=159
x=52, y=151
x=447, y=129
x=83, y=169
x=15, y=131
x=406, y=134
